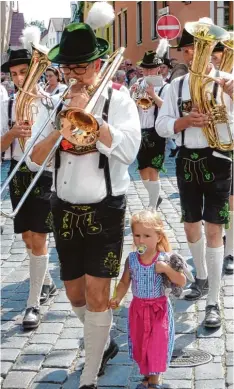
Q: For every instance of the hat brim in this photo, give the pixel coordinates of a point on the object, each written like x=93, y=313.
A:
x=5, y=68
x=55, y=56
x=148, y=66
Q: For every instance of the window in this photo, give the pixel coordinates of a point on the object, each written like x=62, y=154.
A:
x=119, y=31
x=125, y=28
x=108, y=34
x=154, y=17
x=165, y=4
x=139, y=22
x=222, y=18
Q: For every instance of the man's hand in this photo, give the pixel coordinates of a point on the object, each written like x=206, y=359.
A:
x=114, y=303
x=79, y=99
x=196, y=119
x=21, y=130
x=150, y=91
x=228, y=86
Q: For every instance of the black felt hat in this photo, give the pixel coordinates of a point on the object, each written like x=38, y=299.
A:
x=78, y=45
x=167, y=62
x=219, y=47
x=186, y=39
x=16, y=57
x=150, y=60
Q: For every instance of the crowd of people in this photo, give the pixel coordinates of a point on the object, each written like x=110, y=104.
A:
x=84, y=203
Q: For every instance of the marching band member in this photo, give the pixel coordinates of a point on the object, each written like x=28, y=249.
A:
x=33, y=226
x=203, y=176
x=89, y=201
x=229, y=245
x=54, y=79
x=151, y=154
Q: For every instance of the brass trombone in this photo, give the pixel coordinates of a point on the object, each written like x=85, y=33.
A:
x=81, y=116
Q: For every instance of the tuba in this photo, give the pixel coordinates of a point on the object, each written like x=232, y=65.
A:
x=206, y=37
x=24, y=107
x=226, y=64
x=141, y=97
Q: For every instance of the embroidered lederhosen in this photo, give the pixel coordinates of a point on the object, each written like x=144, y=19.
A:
x=152, y=149
x=89, y=237
x=203, y=179
x=35, y=214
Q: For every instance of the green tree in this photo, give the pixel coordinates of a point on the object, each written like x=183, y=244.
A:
x=37, y=23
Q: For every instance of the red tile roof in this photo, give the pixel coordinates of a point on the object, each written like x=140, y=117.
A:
x=17, y=26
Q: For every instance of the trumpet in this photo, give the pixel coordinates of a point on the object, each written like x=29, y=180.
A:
x=141, y=97
x=81, y=121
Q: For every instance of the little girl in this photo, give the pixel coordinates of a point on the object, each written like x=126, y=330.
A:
x=151, y=324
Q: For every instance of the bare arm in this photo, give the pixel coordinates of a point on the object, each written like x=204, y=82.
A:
x=42, y=149
x=122, y=286
x=17, y=131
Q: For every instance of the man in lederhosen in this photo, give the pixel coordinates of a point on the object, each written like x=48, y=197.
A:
x=152, y=151
x=204, y=177
x=33, y=220
x=89, y=201
x=229, y=244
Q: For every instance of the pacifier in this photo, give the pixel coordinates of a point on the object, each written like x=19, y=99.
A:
x=141, y=249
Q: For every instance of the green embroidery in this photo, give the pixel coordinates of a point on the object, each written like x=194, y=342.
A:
x=66, y=234
x=182, y=216
x=81, y=207
x=157, y=162
x=49, y=221
x=36, y=191
x=111, y=262
x=24, y=168
x=65, y=220
x=16, y=186
x=194, y=156
x=187, y=176
x=207, y=176
x=224, y=212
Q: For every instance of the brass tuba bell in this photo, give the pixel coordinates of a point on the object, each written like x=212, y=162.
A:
x=226, y=64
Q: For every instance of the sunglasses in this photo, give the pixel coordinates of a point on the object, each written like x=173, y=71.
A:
x=128, y=64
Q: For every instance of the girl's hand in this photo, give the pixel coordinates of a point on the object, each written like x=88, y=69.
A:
x=161, y=267
x=114, y=303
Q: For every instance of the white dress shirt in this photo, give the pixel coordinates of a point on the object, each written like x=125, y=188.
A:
x=146, y=116
x=4, y=109
x=169, y=113
x=60, y=88
x=79, y=180
x=16, y=149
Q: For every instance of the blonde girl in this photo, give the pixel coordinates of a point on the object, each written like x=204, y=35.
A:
x=151, y=323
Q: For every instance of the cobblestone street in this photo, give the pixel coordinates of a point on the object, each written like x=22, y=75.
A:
x=52, y=356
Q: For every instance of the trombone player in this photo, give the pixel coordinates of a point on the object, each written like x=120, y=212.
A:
x=89, y=203
x=33, y=227
x=203, y=173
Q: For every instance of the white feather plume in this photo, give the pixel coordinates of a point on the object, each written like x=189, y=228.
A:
x=32, y=35
x=100, y=15
x=206, y=20
x=162, y=47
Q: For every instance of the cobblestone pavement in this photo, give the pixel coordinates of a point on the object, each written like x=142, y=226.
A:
x=51, y=357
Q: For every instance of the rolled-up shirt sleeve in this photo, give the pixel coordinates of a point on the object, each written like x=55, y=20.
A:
x=168, y=113
x=125, y=129
x=42, y=116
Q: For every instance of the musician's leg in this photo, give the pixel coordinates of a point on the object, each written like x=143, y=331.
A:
x=229, y=246
x=75, y=290
x=216, y=213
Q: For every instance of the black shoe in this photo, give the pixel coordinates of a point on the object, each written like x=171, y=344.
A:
x=228, y=264
x=212, y=318
x=110, y=353
x=88, y=387
x=197, y=289
x=31, y=318
x=173, y=152
x=159, y=202
x=46, y=292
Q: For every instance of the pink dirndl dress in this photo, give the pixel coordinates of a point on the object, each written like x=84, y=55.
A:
x=150, y=321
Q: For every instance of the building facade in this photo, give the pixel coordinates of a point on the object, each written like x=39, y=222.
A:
x=55, y=29
x=6, y=18
x=135, y=22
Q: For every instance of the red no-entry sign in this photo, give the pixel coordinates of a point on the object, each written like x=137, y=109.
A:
x=168, y=26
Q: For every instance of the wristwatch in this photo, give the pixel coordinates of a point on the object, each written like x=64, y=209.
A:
x=100, y=121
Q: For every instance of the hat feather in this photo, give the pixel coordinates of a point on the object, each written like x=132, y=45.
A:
x=100, y=15
x=32, y=35
x=162, y=47
x=206, y=20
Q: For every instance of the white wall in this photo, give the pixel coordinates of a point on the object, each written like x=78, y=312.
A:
x=52, y=39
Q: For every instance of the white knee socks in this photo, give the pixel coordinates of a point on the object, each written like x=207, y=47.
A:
x=229, y=249
x=153, y=188
x=96, y=332
x=80, y=313
x=198, y=252
x=37, y=270
x=48, y=280
x=214, y=259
